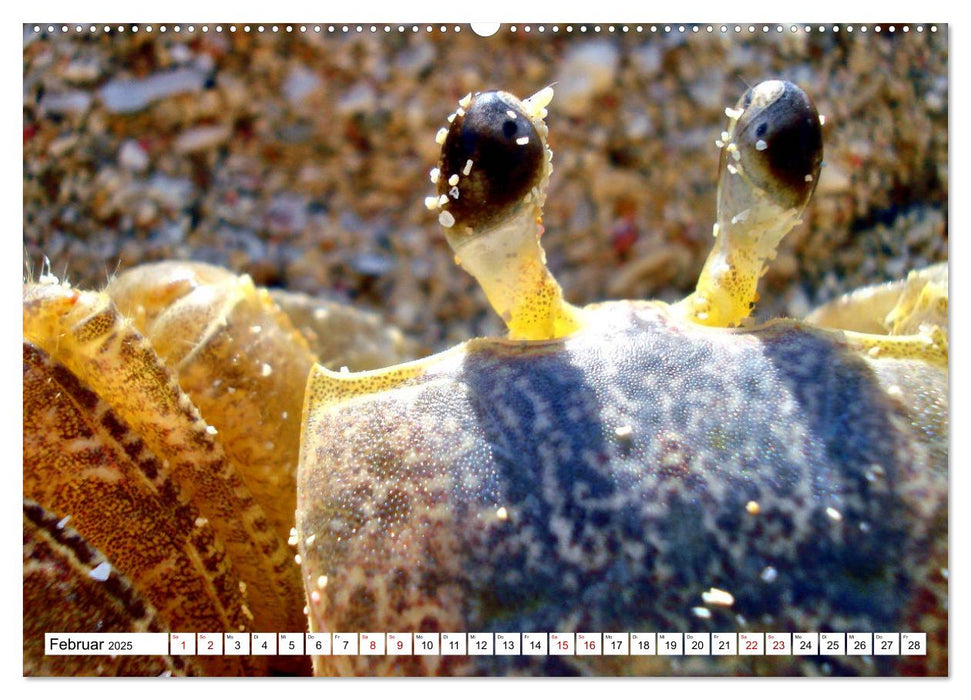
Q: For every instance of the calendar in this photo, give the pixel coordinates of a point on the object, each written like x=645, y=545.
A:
x=492, y=644
x=507, y=348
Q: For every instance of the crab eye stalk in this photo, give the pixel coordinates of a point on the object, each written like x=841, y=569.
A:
x=490, y=186
x=493, y=156
x=772, y=151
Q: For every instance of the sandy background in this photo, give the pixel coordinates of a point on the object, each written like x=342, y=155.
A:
x=302, y=158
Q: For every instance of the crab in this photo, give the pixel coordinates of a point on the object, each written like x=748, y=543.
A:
x=632, y=465
x=626, y=466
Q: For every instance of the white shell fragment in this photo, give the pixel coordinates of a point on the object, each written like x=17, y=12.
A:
x=536, y=104
x=716, y=596
x=541, y=98
x=101, y=571
x=446, y=219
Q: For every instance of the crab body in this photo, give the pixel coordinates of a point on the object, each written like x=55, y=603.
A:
x=607, y=481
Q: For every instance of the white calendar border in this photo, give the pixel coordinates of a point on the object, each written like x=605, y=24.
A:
x=826, y=11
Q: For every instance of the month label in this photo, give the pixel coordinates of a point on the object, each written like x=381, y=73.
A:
x=111, y=643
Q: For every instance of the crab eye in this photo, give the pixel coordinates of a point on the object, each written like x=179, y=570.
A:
x=780, y=141
x=492, y=157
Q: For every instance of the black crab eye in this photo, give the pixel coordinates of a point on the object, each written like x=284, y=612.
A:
x=780, y=141
x=491, y=158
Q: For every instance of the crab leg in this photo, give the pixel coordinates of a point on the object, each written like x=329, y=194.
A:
x=905, y=319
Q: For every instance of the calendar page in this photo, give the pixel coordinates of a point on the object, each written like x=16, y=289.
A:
x=448, y=349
